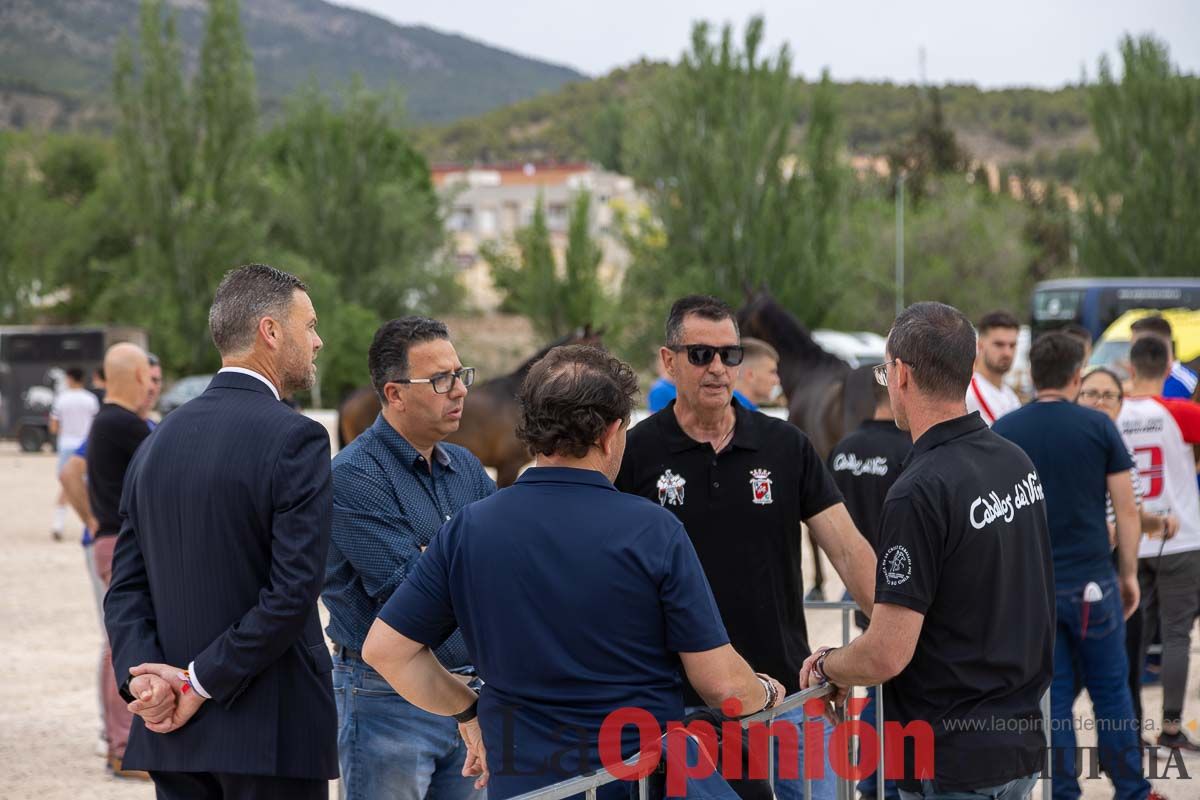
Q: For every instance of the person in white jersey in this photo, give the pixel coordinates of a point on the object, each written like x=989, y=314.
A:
x=70, y=420
x=1160, y=433
x=995, y=348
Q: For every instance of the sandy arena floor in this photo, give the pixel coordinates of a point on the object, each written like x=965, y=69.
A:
x=48, y=710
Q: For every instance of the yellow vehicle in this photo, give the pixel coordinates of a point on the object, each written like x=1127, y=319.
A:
x=1112, y=348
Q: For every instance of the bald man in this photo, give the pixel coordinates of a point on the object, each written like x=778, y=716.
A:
x=116, y=432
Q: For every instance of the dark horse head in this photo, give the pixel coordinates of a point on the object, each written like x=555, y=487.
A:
x=581, y=335
x=826, y=398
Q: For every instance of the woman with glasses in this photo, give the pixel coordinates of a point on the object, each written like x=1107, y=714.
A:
x=1101, y=389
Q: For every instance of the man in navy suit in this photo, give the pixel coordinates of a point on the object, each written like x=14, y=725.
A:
x=220, y=558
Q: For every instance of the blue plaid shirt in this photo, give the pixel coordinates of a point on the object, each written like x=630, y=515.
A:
x=387, y=505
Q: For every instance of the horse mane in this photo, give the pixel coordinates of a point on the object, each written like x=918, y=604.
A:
x=786, y=333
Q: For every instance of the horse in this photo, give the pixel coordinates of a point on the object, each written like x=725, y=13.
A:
x=827, y=398
x=489, y=421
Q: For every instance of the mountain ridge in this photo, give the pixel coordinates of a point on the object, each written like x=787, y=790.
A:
x=59, y=53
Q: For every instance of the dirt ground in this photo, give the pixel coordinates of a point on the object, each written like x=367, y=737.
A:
x=49, y=721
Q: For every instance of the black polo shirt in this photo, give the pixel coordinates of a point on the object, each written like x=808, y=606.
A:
x=742, y=509
x=865, y=464
x=964, y=541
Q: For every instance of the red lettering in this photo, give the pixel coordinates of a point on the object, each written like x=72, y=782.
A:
x=649, y=743
x=678, y=768
x=921, y=733
x=788, y=763
x=868, y=751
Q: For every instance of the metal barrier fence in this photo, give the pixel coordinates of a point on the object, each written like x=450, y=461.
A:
x=589, y=783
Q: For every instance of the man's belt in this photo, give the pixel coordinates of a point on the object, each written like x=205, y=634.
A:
x=346, y=652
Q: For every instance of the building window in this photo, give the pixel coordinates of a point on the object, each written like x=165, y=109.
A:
x=487, y=221
x=460, y=218
x=556, y=216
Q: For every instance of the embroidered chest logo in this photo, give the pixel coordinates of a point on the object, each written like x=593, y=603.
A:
x=760, y=486
x=670, y=489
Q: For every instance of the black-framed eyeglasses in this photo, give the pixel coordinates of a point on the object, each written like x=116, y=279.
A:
x=701, y=355
x=443, y=382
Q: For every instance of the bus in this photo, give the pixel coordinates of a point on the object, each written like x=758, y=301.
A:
x=33, y=364
x=1095, y=303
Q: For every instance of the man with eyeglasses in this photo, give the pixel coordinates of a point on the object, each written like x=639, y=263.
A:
x=964, y=615
x=393, y=488
x=742, y=482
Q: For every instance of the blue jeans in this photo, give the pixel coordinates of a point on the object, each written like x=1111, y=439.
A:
x=1099, y=654
x=868, y=786
x=823, y=788
x=389, y=749
x=1017, y=789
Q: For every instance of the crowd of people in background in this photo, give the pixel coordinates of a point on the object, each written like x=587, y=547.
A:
x=479, y=635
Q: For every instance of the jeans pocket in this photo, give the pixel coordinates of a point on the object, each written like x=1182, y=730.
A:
x=374, y=685
x=1104, y=616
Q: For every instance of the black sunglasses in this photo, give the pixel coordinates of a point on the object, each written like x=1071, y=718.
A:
x=701, y=355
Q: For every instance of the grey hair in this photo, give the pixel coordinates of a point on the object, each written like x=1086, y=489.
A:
x=700, y=305
x=245, y=296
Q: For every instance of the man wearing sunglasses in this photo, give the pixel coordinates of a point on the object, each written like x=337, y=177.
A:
x=393, y=488
x=742, y=482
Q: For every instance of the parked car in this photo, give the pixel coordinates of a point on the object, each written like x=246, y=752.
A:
x=1112, y=348
x=181, y=391
x=856, y=348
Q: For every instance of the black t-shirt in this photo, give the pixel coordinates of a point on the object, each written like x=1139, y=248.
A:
x=115, y=435
x=964, y=541
x=864, y=465
x=742, y=509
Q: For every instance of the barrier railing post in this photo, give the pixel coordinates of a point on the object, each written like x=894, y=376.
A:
x=879, y=773
x=1047, y=784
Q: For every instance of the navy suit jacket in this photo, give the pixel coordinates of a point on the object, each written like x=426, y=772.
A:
x=226, y=516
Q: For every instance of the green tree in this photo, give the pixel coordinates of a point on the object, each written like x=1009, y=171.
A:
x=351, y=195
x=583, y=295
x=188, y=188
x=736, y=206
x=961, y=248
x=528, y=275
x=555, y=301
x=1141, y=205
x=18, y=273
x=931, y=150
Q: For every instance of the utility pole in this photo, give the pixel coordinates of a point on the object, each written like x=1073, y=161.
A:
x=899, y=242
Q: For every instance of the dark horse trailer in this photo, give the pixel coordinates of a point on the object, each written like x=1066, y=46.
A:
x=33, y=363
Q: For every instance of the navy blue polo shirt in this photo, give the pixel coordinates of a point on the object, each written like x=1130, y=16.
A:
x=574, y=600
x=1075, y=449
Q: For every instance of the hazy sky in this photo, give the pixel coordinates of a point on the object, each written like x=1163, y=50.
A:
x=1007, y=43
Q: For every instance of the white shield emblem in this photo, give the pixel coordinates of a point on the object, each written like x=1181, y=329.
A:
x=670, y=489
x=760, y=486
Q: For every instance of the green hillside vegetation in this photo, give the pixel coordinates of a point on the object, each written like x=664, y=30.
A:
x=1043, y=130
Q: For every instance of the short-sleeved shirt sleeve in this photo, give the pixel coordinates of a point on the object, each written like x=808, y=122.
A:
x=911, y=551
x=817, y=488
x=1118, y=454
x=693, y=620
x=422, y=608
